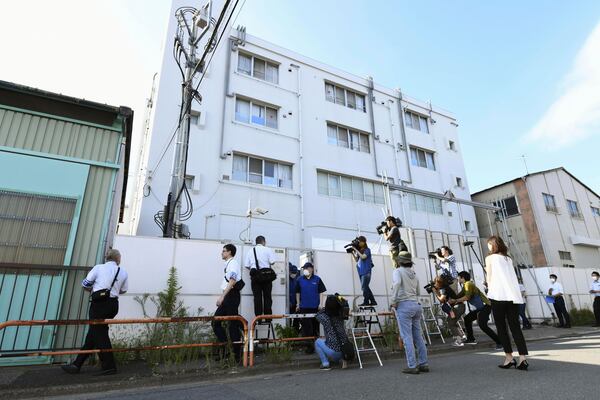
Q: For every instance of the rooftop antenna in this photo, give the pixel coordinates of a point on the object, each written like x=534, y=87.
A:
x=525, y=162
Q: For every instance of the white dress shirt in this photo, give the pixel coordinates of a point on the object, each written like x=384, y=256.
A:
x=556, y=288
x=232, y=270
x=595, y=286
x=101, y=277
x=265, y=256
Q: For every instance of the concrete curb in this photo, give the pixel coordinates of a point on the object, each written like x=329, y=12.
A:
x=200, y=376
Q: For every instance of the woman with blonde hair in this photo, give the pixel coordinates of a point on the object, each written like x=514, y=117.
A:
x=505, y=297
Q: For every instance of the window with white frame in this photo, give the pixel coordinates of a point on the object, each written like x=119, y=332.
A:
x=595, y=211
x=346, y=187
x=451, y=145
x=508, y=205
x=459, y=182
x=422, y=158
x=258, y=68
x=573, y=209
x=345, y=97
x=417, y=202
x=348, y=138
x=264, y=172
x=549, y=202
x=251, y=112
x=416, y=121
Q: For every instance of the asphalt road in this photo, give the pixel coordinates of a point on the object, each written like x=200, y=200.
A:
x=559, y=369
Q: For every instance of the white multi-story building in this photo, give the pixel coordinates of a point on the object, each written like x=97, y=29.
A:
x=552, y=219
x=306, y=141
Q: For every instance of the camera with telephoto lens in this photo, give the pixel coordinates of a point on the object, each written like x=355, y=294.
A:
x=447, y=278
x=353, y=243
x=437, y=252
x=382, y=227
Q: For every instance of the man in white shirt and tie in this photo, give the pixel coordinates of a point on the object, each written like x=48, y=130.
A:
x=556, y=291
x=106, y=282
x=595, y=291
x=265, y=257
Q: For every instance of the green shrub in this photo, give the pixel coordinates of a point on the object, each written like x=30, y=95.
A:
x=582, y=316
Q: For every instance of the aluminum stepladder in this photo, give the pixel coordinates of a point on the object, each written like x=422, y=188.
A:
x=367, y=317
x=363, y=333
x=431, y=326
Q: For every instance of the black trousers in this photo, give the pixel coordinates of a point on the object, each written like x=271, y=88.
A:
x=482, y=316
x=262, y=297
x=561, y=311
x=230, y=306
x=310, y=326
x=97, y=335
x=597, y=309
x=295, y=321
x=508, y=312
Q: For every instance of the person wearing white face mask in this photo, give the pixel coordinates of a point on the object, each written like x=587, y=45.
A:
x=310, y=297
x=595, y=291
x=556, y=291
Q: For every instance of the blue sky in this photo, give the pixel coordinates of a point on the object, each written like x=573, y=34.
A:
x=522, y=77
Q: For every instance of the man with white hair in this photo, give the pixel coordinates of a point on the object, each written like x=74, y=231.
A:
x=105, y=282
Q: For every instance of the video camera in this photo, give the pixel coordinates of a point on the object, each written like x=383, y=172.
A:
x=353, y=243
x=382, y=227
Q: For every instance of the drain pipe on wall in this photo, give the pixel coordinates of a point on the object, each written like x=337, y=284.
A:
x=372, y=119
x=230, y=49
x=404, y=142
x=301, y=154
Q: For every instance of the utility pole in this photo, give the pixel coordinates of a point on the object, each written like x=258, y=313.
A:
x=193, y=24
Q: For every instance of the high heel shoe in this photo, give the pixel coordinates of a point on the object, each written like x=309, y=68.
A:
x=523, y=365
x=513, y=362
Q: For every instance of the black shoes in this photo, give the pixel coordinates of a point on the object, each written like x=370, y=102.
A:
x=523, y=365
x=70, y=369
x=423, y=368
x=105, y=372
x=411, y=371
x=512, y=363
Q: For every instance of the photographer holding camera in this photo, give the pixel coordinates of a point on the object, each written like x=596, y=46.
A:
x=481, y=309
x=446, y=261
x=444, y=293
x=364, y=264
x=336, y=341
x=391, y=233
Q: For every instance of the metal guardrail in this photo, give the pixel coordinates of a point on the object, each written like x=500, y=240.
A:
x=61, y=352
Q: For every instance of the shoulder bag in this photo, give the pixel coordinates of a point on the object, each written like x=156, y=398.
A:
x=104, y=294
x=263, y=275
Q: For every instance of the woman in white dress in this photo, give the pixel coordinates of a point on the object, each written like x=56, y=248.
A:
x=505, y=297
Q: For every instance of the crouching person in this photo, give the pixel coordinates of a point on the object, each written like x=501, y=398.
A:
x=408, y=313
x=331, y=348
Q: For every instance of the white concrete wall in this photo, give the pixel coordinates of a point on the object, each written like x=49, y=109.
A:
x=557, y=229
x=220, y=204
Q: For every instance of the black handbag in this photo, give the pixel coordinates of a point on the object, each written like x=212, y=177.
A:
x=104, y=294
x=263, y=275
x=346, y=347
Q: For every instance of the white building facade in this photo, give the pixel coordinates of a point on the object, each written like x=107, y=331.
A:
x=553, y=219
x=305, y=141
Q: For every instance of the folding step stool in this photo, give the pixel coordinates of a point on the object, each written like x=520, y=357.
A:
x=431, y=326
x=366, y=321
x=362, y=334
x=270, y=331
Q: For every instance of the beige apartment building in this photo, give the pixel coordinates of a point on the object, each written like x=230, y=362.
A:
x=552, y=219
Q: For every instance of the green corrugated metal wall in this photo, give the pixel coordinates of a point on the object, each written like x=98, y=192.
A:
x=44, y=134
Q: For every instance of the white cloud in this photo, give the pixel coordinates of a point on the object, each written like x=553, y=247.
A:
x=575, y=114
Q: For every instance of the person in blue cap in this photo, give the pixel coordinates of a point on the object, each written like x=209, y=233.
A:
x=310, y=297
x=292, y=282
